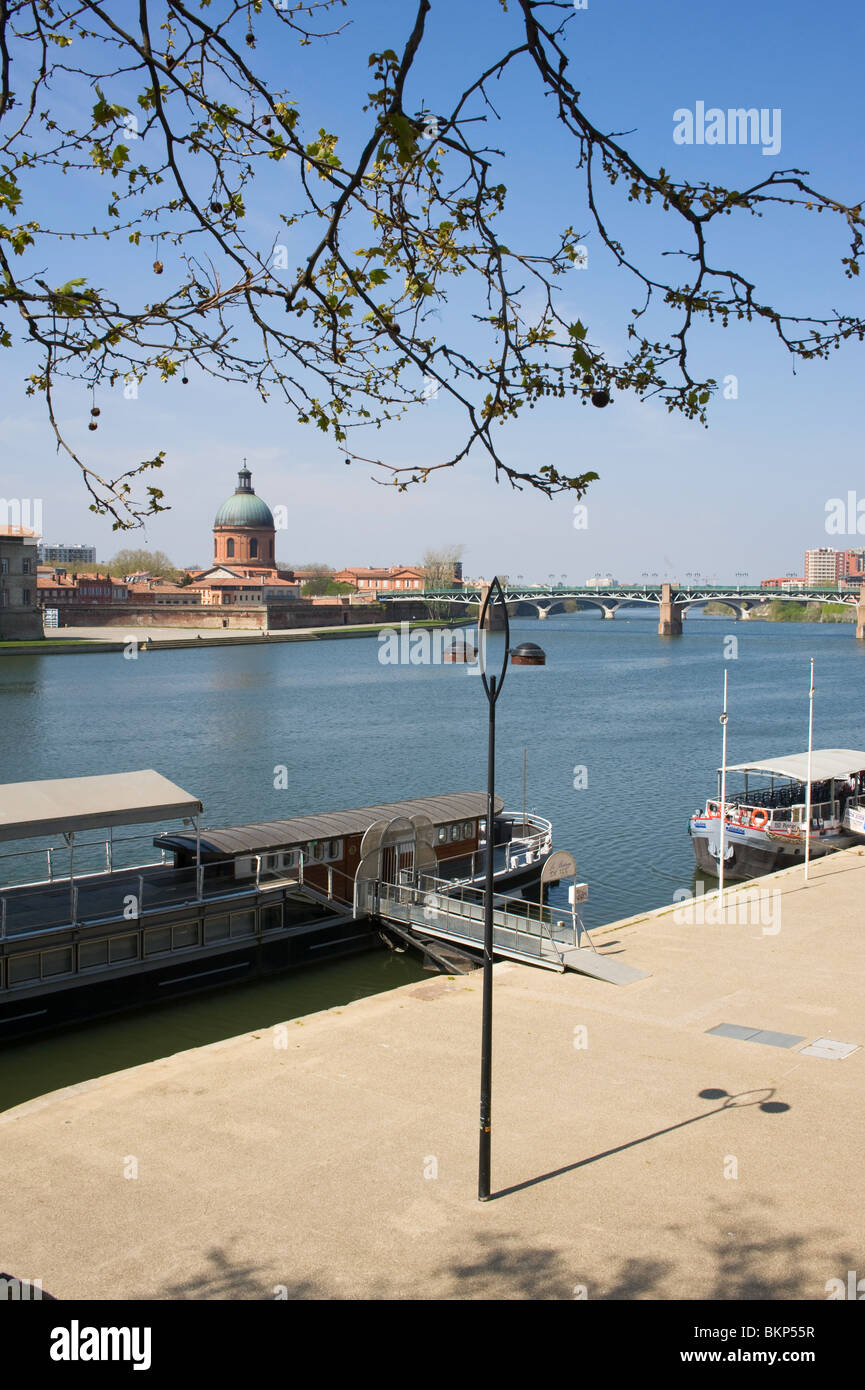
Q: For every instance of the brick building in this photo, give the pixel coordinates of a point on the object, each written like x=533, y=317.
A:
x=20, y=615
x=368, y=579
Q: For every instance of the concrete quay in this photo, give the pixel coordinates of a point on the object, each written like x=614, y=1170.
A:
x=78, y=641
x=635, y=1154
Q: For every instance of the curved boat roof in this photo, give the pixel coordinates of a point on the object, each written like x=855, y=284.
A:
x=825, y=763
x=276, y=834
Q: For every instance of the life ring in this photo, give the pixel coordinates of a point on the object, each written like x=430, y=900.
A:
x=759, y=820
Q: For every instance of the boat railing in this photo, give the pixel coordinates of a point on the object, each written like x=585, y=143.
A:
x=92, y=858
x=821, y=811
x=522, y=849
x=741, y=812
x=131, y=894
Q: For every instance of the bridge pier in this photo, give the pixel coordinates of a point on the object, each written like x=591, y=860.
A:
x=608, y=613
x=495, y=615
x=860, y=615
x=670, y=618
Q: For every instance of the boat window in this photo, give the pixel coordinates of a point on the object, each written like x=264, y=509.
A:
x=216, y=929
x=468, y=830
x=271, y=917
x=57, y=962
x=242, y=923
x=22, y=969
x=456, y=832
x=482, y=829
x=443, y=834
x=187, y=935
x=124, y=948
x=155, y=942
x=335, y=849
x=317, y=849
x=91, y=954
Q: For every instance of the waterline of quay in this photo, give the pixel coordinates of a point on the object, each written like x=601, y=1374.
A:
x=636, y=1154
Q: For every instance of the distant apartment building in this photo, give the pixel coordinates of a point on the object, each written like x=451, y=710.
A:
x=162, y=593
x=826, y=566
x=367, y=579
x=823, y=566
x=602, y=581
x=784, y=581
x=67, y=554
x=20, y=616
x=55, y=586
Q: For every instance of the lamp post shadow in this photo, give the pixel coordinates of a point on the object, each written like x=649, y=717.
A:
x=735, y=1102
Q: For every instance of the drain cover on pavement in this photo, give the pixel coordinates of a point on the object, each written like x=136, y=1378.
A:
x=757, y=1035
x=828, y=1047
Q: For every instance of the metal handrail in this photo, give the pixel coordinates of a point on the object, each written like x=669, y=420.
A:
x=525, y=923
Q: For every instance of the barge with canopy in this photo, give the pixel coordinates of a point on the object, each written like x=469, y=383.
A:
x=766, y=819
x=93, y=930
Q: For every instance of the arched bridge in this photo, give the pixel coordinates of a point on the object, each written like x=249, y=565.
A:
x=671, y=599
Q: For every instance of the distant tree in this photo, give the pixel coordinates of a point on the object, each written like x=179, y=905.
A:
x=322, y=586
x=155, y=562
x=438, y=568
x=320, y=576
x=163, y=114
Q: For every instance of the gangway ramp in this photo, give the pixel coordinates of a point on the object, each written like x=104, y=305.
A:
x=524, y=932
x=602, y=967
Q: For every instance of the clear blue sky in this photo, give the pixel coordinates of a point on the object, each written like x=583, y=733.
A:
x=749, y=494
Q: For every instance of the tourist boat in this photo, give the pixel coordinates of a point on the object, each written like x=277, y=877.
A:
x=766, y=818
x=99, y=931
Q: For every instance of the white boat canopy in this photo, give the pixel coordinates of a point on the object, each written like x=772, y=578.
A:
x=68, y=804
x=825, y=763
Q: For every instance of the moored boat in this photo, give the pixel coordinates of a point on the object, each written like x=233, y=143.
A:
x=766, y=819
x=104, y=930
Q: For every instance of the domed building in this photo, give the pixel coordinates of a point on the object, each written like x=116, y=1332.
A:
x=244, y=570
x=244, y=531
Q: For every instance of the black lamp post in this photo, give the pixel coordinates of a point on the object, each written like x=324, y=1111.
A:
x=493, y=688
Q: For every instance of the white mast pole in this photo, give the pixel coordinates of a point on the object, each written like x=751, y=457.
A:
x=723, y=841
x=808, y=792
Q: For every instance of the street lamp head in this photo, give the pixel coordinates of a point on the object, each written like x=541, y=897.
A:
x=493, y=687
x=528, y=654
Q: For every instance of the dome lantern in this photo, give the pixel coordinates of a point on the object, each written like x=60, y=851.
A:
x=244, y=507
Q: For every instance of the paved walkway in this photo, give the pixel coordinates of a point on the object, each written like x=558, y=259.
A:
x=335, y=1156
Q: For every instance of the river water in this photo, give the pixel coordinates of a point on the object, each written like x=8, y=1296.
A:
x=621, y=729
